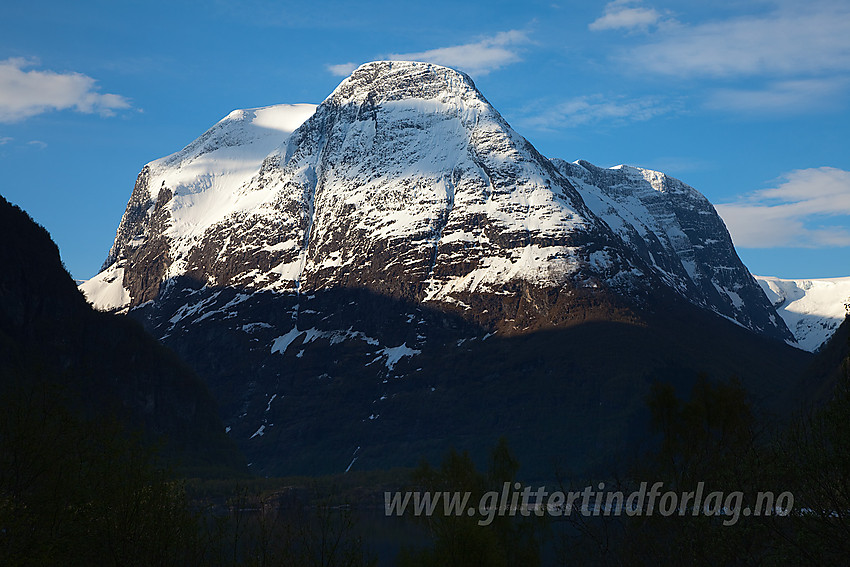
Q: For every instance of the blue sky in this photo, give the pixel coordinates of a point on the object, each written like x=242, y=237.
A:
x=748, y=101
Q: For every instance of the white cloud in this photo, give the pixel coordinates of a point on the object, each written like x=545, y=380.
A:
x=37, y=144
x=479, y=58
x=795, y=213
x=341, y=69
x=781, y=96
x=625, y=14
x=794, y=57
x=5, y=140
x=28, y=93
x=793, y=39
x=593, y=109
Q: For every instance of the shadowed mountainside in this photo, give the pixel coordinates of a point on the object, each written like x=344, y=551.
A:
x=349, y=377
x=103, y=364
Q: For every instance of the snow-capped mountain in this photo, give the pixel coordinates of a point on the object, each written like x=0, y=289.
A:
x=406, y=181
x=813, y=309
x=303, y=256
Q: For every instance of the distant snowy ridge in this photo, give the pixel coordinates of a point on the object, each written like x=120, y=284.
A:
x=813, y=309
x=106, y=291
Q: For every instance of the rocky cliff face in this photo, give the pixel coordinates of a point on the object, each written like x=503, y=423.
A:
x=306, y=256
x=674, y=229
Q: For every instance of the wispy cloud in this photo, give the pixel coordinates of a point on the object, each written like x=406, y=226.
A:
x=793, y=39
x=38, y=144
x=790, y=57
x=626, y=14
x=478, y=58
x=583, y=110
x=5, y=140
x=781, y=96
x=25, y=93
x=341, y=69
x=795, y=213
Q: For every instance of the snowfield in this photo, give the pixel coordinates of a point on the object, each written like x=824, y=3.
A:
x=812, y=309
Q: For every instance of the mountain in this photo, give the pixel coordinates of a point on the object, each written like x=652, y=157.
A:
x=812, y=309
x=102, y=365
x=406, y=173
x=403, y=269
x=676, y=231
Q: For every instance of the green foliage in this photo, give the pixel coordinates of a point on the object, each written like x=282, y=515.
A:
x=708, y=443
x=708, y=440
x=705, y=437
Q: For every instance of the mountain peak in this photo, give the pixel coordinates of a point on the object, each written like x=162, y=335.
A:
x=383, y=81
x=252, y=131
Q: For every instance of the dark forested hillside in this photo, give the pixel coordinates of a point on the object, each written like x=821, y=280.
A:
x=101, y=365
x=824, y=373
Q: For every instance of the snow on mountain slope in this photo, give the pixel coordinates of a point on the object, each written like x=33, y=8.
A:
x=407, y=182
x=676, y=230
x=106, y=291
x=404, y=175
x=178, y=197
x=407, y=173
x=812, y=309
x=205, y=178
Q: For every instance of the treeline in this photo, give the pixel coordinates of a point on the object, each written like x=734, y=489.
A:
x=713, y=442
x=78, y=490
x=84, y=491
x=710, y=442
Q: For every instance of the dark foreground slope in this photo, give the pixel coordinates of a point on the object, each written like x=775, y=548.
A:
x=103, y=365
x=348, y=377
x=827, y=368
